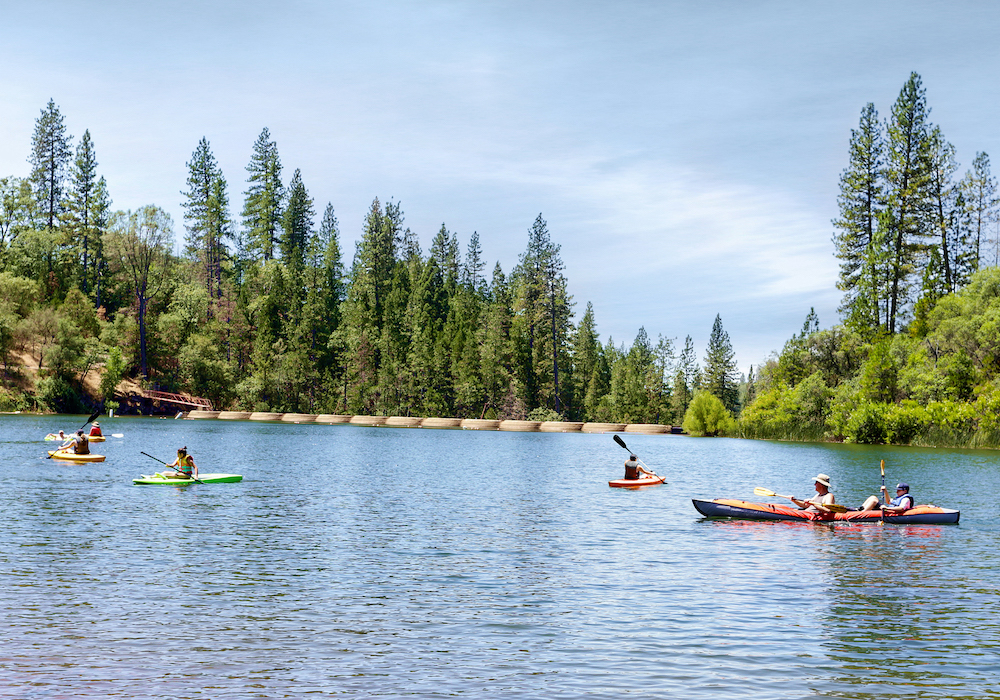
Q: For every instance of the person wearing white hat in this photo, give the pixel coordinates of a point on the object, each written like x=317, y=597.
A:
x=823, y=496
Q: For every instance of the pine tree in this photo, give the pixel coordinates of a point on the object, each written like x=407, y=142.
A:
x=262, y=207
x=687, y=379
x=50, y=158
x=721, y=375
x=907, y=174
x=543, y=310
x=472, y=271
x=80, y=203
x=586, y=349
x=979, y=190
x=855, y=240
x=297, y=222
x=206, y=216
x=941, y=204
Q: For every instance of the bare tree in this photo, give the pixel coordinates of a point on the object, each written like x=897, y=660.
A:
x=141, y=244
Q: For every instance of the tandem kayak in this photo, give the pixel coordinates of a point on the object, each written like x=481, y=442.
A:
x=159, y=479
x=735, y=508
x=637, y=483
x=74, y=457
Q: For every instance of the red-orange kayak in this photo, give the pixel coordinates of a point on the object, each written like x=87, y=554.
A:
x=735, y=508
x=637, y=483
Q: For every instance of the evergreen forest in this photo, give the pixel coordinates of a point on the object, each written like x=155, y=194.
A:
x=262, y=310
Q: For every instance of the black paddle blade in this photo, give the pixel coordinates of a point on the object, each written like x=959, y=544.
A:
x=90, y=420
x=621, y=442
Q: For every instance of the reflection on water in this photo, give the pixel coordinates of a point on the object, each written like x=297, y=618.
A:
x=362, y=562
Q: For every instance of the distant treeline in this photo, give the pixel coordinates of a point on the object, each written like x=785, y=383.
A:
x=260, y=311
x=917, y=359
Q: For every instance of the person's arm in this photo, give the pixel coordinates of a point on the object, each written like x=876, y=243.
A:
x=904, y=505
x=194, y=469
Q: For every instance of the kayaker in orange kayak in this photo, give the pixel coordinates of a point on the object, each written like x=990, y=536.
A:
x=822, y=498
x=79, y=443
x=184, y=466
x=95, y=430
x=634, y=470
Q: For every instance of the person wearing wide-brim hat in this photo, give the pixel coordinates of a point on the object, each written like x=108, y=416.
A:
x=823, y=497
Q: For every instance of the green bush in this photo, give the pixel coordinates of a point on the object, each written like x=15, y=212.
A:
x=57, y=394
x=544, y=414
x=708, y=416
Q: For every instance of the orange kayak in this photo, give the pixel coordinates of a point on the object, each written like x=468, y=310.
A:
x=637, y=483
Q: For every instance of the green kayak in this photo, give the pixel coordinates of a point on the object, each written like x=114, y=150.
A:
x=204, y=478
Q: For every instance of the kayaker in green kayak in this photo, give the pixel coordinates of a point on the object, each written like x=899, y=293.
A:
x=184, y=466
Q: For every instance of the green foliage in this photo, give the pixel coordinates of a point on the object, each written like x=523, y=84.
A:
x=544, y=414
x=114, y=371
x=708, y=416
x=55, y=393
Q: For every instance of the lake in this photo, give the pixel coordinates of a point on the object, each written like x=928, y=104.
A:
x=363, y=562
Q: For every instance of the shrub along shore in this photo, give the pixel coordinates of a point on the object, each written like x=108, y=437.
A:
x=523, y=426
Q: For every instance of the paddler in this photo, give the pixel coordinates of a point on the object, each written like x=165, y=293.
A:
x=184, y=466
x=634, y=470
x=95, y=430
x=902, y=501
x=822, y=498
x=79, y=443
x=56, y=436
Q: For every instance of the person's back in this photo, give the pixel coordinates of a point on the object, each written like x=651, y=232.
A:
x=632, y=467
x=95, y=430
x=81, y=445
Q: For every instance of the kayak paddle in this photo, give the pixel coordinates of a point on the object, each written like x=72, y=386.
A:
x=832, y=507
x=881, y=466
x=90, y=420
x=167, y=465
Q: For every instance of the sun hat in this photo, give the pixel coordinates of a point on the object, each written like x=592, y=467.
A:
x=903, y=486
x=823, y=479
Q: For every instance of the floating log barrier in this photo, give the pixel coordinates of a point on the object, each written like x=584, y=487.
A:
x=403, y=421
x=441, y=423
x=520, y=426
x=560, y=426
x=603, y=428
x=480, y=424
x=265, y=415
x=333, y=419
x=234, y=415
x=647, y=429
x=298, y=418
x=368, y=420
x=203, y=415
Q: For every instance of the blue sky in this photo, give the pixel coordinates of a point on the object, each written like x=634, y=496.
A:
x=685, y=155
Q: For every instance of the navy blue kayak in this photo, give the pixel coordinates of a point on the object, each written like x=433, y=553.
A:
x=734, y=508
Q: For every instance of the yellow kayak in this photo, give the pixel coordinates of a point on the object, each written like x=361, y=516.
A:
x=74, y=457
x=96, y=438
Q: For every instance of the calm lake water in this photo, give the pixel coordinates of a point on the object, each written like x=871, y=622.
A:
x=367, y=562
